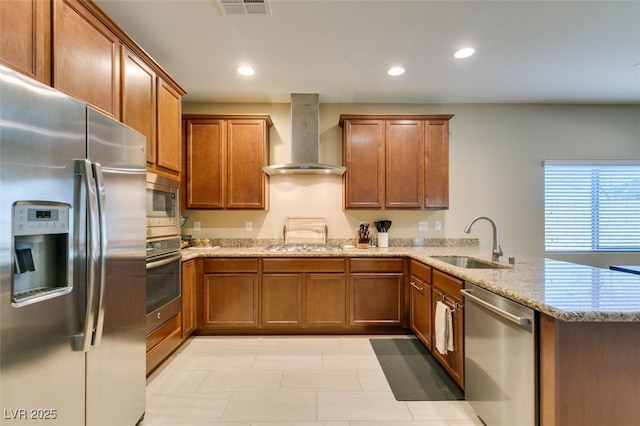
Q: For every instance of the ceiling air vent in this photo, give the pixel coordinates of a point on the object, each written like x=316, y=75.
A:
x=244, y=7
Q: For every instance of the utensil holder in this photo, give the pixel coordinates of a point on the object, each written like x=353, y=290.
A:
x=383, y=239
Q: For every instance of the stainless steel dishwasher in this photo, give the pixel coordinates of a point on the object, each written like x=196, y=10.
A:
x=501, y=367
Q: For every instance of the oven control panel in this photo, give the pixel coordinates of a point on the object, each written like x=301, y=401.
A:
x=160, y=246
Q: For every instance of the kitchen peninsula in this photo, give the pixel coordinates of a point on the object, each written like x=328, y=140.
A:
x=589, y=320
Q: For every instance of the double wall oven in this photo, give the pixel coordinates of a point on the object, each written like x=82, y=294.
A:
x=163, y=250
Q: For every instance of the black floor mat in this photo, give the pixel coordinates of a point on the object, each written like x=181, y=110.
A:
x=412, y=373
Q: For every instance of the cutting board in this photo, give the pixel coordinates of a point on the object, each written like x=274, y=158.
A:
x=305, y=230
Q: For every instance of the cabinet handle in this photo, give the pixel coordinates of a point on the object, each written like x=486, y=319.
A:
x=413, y=284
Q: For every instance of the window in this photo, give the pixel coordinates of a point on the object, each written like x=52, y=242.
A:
x=592, y=205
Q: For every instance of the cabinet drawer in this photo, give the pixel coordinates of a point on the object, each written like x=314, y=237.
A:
x=163, y=332
x=447, y=284
x=239, y=264
x=303, y=265
x=421, y=271
x=376, y=265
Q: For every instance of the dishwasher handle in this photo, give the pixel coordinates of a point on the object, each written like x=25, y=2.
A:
x=513, y=318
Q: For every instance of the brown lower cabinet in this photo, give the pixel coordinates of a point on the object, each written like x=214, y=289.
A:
x=230, y=293
x=589, y=373
x=189, y=278
x=376, y=291
x=290, y=295
x=312, y=296
x=420, y=302
x=447, y=289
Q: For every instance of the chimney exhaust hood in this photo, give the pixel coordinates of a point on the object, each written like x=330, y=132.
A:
x=305, y=138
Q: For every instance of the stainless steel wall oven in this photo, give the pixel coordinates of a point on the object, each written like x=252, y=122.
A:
x=163, y=280
x=163, y=250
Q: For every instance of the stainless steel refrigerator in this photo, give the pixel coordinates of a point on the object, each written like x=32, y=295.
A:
x=72, y=261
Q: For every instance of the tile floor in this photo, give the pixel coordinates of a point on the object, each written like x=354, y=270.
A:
x=285, y=381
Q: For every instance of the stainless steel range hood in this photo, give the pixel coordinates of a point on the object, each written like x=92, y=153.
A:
x=305, y=137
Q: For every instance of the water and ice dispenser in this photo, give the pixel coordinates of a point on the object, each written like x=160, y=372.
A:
x=41, y=251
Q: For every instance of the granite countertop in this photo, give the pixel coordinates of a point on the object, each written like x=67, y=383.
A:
x=562, y=290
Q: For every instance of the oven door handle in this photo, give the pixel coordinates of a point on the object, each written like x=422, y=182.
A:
x=162, y=262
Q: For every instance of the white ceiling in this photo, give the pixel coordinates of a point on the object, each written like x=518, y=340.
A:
x=526, y=51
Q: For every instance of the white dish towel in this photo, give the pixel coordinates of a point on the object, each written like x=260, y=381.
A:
x=443, y=328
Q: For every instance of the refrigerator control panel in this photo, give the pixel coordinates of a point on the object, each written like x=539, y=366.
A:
x=37, y=218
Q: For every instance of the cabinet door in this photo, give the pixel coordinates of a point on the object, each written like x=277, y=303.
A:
x=404, y=177
x=25, y=37
x=420, y=310
x=139, y=99
x=205, y=169
x=436, y=137
x=246, y=156
x=169, y=139
x=231, y=300
x=188, y=298
x=86, y=57
x=326, y=300
x=376, y=299
x=453, y=361
x=282, y=300
x=364, y=161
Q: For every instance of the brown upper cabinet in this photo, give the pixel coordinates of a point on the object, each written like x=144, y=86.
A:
x=139, y=99
x=86, y=57
x=396, y=161
x=169, y=139
x=154, y=108
x=74, y=46
x=224, y=160
x=25, y=37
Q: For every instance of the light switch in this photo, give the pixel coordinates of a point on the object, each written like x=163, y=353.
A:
x=423, y=226
x=196, y=225
x=438, y=225
x=248, y=226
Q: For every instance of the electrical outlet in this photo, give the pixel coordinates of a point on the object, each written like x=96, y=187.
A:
x=248, y=226
x=438, y=225
x=423, y=226
x=197, y=225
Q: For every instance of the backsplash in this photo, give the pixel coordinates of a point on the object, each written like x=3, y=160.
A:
x=393, y=242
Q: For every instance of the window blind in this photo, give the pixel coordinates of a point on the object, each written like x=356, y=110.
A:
x=592, y=206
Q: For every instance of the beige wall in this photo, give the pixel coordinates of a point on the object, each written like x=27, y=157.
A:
x=496, y=153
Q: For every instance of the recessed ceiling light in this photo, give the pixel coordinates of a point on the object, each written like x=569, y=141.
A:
x=395, y=71
x=465, y=52
x=245, y=70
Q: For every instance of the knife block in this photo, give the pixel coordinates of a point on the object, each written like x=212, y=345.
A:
x=362, y=243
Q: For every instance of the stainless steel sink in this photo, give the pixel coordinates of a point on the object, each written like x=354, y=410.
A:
x=469, y=262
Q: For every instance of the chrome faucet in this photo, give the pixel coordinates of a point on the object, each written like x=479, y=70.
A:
x=497, y=250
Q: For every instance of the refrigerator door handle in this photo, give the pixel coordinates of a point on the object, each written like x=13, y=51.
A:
x=102, y=265
x=83, y=168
